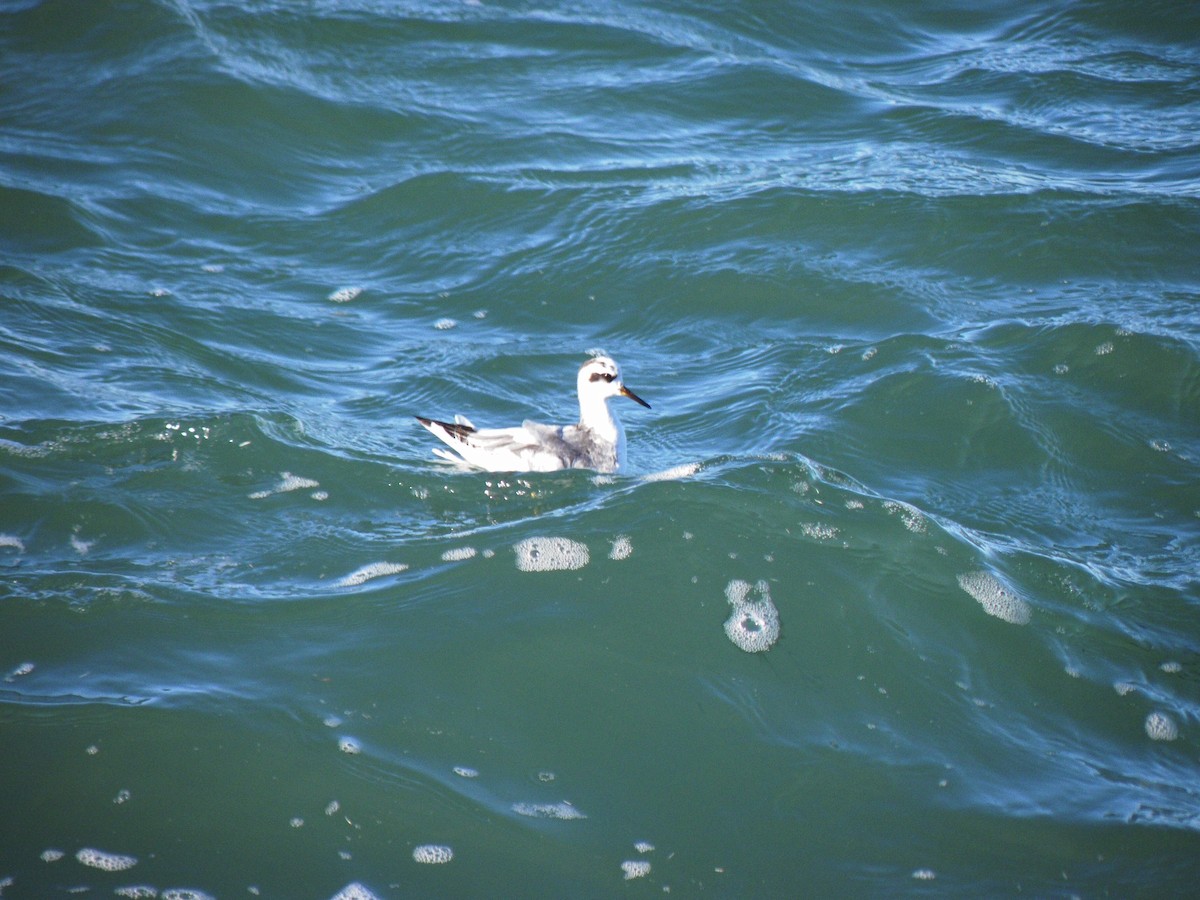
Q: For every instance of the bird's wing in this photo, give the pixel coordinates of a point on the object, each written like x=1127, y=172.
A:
x=530, y=447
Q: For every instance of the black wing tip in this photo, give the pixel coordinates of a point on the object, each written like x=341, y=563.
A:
x=452, y=428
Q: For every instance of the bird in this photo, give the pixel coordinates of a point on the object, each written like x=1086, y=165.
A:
x=596, y=442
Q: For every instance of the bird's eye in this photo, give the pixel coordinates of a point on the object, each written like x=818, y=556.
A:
x=609, y=376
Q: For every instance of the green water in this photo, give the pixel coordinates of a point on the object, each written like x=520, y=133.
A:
x=913, y=295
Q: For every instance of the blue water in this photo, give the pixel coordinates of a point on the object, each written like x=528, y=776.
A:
x=914, y=295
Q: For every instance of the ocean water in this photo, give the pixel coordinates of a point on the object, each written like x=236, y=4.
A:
x=899, y=596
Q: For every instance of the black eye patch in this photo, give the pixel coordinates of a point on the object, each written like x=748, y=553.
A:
x=607, y=376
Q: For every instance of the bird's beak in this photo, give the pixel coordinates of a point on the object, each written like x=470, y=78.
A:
x=626, y=392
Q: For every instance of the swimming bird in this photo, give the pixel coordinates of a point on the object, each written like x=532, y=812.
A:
x=597, y=442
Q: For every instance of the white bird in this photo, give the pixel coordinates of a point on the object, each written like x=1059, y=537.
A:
x=597, y=442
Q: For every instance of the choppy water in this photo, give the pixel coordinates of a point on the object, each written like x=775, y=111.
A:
x=915, y=296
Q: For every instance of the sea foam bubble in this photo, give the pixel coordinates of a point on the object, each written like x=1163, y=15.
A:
x=355, y=891
x=1161, y=727
x=675, y=473
x=622, y=547
x=635, y=868
x=433, y=854
x=754, y=623
x=996, y=599
x=109, y=862
x=345, y=295
x=563, y=810
x=550, y=554
x=372, y=570
x=287, y=483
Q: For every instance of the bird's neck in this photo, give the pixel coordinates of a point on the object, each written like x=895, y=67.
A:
x=596, y=416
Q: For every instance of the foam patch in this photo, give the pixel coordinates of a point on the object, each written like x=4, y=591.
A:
x=354, y=891
x=550, y=554
x=433, y=854
x=563, y=810
x=622, y=547
x=635, y=868
x=109, y=862
x=996, y=599
x=675, y=473
x=287, y=483
x=1161, y=727
x=754, y=623
x=369, y=571
x=345, y=295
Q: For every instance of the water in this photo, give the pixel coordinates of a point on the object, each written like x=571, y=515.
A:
x=913, y=295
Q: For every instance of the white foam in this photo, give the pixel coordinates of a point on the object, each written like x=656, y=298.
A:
x=466, y=772
x=354, y=891
x=52, y=855
x=369, y=571
x=137, y=892
x=287, y=483
x=563, y=810
x=996, y=598
x=912, y=519
x=635, y=868
x=345, y=295
x=1171, y=667
x=11, y=540
x=1161, y=727
x=457, y=554
x=444, y=324
x=349, y=745
x=819, y=531
x=674, y=473
x=643, y=847
x=433, y=854
x=622, y=547
x=23, y=669
x=185, y=894
x=924, y=874
x=754, y=624
x=332, y=807
x=550, y=554
x=109, y=862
